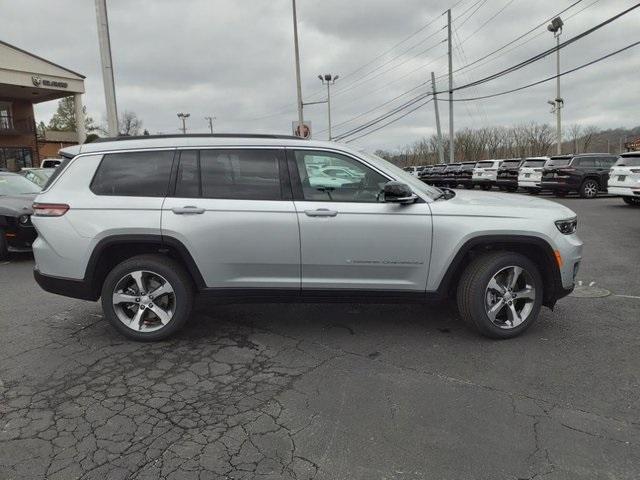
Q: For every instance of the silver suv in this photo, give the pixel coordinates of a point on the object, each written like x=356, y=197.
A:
x=147, y=223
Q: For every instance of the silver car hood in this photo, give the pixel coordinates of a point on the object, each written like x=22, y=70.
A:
x=502, y=205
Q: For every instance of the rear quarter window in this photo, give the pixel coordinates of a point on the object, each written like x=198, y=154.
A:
x=134, y=174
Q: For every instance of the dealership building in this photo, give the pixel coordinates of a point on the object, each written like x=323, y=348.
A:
x=26, y=79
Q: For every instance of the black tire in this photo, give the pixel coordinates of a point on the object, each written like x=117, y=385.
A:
x=485, y=187
x=469, y=186
x=4, y=249
x=589, y=188
x=472, y=291
x=633, y=201
x=175, y=275
x=512, y=189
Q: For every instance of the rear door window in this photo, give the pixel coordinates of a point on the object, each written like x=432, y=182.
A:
x=133, y=174
x=234, y=174
x=584, y=162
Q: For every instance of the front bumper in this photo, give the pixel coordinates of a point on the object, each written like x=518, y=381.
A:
x=20, y=238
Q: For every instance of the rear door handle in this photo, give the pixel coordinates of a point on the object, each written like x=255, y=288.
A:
x=321, y=212
x=189, y=209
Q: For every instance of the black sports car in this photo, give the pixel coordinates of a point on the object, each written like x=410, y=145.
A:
x=16, y=197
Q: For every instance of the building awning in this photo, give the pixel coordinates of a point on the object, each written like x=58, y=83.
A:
x=26, y=76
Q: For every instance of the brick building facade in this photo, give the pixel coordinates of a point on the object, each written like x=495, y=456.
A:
x=26, y=79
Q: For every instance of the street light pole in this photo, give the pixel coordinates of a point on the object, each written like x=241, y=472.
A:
x=107, y=67
x=297, y=55
x=450, y=53
x=328, y=80
x=183, y=117
x=435, y=104
x=556, y=28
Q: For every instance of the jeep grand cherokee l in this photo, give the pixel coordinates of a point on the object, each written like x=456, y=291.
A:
x=586, y=174
x=507, y=178
x=624, y=178
x=530, y=174
x=485, y=173
x=146, y=223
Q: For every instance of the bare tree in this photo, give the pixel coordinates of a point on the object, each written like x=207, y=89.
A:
x=588, y=137
x=574, y=132
x=129, y=125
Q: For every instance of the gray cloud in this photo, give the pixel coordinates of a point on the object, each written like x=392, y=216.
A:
x=235, y=60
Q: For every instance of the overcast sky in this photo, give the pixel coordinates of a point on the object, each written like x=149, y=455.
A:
x=234, y=60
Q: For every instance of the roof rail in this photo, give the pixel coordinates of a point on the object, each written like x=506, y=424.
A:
x=197, y=135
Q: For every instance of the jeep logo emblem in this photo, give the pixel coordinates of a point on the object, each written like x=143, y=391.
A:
x=36, y=80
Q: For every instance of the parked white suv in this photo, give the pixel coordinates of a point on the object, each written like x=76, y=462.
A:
x=530, y=174
x=624, y=178
x=146, y=223
x=485, y=173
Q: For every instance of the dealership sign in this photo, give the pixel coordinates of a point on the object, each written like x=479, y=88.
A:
x=40, y=82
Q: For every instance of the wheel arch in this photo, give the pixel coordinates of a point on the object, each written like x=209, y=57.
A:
x=536, y=249
x=116, y=248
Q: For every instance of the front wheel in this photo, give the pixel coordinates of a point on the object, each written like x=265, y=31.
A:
x=500, y=294
x=632, y=201
x=589, y=189
x=147, y=297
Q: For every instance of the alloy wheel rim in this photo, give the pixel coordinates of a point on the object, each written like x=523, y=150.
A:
x=509, y=297
x=590, y=189
x=144, y=301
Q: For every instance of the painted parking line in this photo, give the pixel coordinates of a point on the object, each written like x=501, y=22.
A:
x=627, y=296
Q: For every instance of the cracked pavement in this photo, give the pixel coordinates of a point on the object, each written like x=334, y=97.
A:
x=329, y=391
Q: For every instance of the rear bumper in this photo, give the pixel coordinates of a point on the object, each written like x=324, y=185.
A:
x=624, y=191
x=65, y=286
x=560, y=184
x=507, y=182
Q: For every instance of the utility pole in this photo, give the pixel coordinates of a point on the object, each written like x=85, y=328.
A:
x=555, y=27
x=451, y=132
x=328, y=80
x=435, y=103
x=210, y=121
x=107, y=67
x=183, y=117
x=297, y=55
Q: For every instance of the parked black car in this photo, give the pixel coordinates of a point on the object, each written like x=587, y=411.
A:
x=450, y=175
x=16, y=197
x=508, y=174
x=465, y=174
x=586, y=174
x=435, y=175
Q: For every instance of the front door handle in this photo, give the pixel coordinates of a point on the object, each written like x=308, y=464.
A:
x=320, y=212
x=189, y=209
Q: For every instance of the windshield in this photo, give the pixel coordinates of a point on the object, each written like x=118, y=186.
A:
x=628, y=161
x=558, y=162
x=416, y=184
x=534, y=163
x=16, y=185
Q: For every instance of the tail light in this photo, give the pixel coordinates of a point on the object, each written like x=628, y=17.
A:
x=49, y=209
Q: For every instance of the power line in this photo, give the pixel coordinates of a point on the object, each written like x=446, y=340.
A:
x=389, y=123
x=552, y=77
x=545, y=53
x=484, y=24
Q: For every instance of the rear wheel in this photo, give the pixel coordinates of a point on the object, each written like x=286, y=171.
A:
x=500, y=294
x=148, y=297
x=589, y=188
x=635, y=201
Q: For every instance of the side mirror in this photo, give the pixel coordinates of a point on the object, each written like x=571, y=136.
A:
x=398, y=192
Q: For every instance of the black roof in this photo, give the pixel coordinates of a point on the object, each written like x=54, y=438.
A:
x=197, y=135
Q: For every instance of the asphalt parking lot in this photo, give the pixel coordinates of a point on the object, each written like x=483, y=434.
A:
x=339, y=391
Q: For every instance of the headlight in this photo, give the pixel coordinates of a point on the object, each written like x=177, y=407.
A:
x=24, y=219
x=568, y=226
